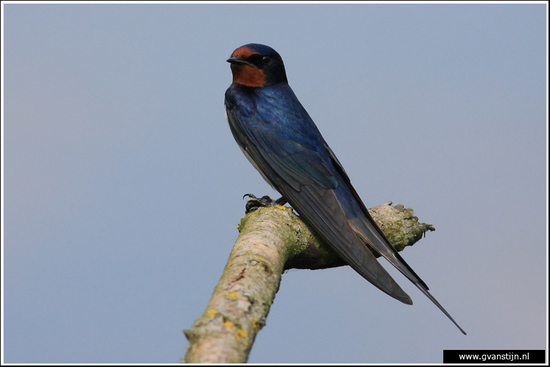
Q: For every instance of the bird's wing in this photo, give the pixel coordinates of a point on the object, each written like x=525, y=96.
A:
x=300, y=165
x=303, y=174
x=365, y=227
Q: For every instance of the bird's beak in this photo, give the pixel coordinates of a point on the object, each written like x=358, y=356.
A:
x=238, y=60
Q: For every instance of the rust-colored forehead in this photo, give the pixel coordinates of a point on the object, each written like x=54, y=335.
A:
x=243, y=52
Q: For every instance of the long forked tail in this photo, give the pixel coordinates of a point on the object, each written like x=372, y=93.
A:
x=432, y=298
x=374, y=238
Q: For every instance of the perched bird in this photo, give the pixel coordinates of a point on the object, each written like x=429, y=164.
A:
x=278, y=137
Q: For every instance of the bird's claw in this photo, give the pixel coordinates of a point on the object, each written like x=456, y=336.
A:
x=254, y=202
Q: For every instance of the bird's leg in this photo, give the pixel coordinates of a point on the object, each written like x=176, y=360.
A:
x=281, y=201
x=254, y=203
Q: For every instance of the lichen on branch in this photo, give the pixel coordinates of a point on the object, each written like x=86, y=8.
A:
x=271, y=240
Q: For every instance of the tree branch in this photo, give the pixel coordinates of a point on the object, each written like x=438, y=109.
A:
x=272, y=239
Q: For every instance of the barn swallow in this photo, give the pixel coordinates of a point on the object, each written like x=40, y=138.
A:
x=278, y=137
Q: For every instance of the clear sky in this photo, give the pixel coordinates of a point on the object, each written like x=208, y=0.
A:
x=123, y=184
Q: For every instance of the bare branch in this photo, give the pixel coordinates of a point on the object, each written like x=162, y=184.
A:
x=271, y=240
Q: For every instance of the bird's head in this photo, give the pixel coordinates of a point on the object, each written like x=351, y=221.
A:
x=255, y=65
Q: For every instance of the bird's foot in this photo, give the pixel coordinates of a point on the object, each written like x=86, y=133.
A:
x=254, y=203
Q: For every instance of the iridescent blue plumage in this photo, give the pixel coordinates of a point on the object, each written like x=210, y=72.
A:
x=280, y=139
x=287, y=136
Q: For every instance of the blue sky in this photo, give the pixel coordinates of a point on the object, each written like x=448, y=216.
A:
x=123, y=184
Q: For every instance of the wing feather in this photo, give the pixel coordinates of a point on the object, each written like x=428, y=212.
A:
x=301, y=166
x=317, y=205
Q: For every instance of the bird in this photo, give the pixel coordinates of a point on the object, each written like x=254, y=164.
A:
x=279, y=138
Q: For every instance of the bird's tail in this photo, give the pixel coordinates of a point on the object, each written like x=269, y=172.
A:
x=432, y=298
x=377, y=241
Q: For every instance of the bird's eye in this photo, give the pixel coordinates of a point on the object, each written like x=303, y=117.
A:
x=255, y=59
x=259, y=60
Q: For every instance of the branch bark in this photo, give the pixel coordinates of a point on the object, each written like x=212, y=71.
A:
x=272, y=239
